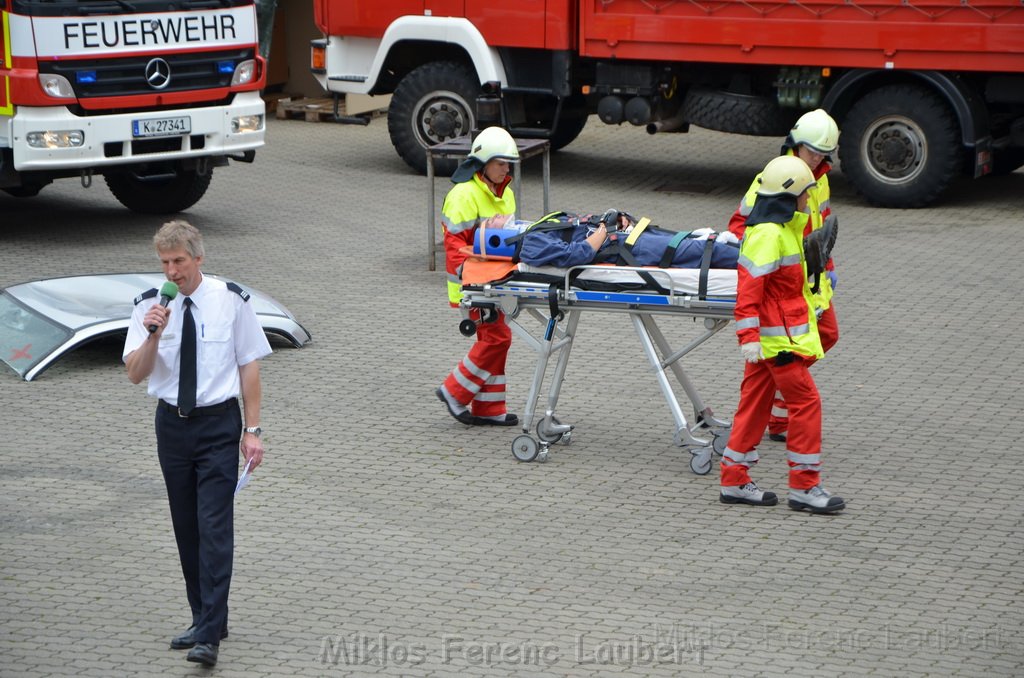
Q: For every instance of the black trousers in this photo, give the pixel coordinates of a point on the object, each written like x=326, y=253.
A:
x=199, y=460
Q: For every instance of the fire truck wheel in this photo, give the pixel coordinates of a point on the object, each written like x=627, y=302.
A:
x=900, y=146
x=161, y=194
x=573, y=119
x=434, y=103
x=736, y=113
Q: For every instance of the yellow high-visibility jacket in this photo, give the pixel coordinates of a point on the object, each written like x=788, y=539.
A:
x=465, y=207
x=774, y=304
x=819, y=206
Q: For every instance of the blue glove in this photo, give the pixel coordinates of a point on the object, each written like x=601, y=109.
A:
x=834, y=278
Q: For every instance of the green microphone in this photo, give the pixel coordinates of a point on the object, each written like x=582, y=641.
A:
x=167, y=292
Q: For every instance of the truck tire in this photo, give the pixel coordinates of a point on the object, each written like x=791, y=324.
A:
x=433, y=103
x=736, y=113
x=900, y=146
x=165, y=195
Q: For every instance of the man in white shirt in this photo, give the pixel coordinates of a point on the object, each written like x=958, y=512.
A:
x=200, y=351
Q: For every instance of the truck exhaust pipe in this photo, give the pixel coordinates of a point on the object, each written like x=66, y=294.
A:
x=676, y=123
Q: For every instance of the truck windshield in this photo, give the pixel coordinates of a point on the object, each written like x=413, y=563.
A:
x=98, y=7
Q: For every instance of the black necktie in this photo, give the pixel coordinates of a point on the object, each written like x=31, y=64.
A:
x=187, y=373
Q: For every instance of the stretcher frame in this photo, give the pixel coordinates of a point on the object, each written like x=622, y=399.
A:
x=558, y=308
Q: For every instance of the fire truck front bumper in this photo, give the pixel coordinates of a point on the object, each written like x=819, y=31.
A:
x=53, y=138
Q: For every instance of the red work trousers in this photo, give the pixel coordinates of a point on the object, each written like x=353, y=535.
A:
x=478, y=381
x=828, y=330
x=803, y=444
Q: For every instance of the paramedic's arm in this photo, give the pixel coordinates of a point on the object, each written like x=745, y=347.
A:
x=458, y=232
x=749, y=293
x=830, y=265
x=140, y=362
x=738, y=220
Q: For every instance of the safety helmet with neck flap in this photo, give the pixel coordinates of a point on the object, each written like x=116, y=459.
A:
x=816, y=130
x=494, y=142
x=785, y=175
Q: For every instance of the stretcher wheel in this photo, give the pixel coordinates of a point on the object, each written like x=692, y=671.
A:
x=700, y=461
x=542, y=456
x=719, y=441
x=467, y=327
x=542, y=430
x=524, y=448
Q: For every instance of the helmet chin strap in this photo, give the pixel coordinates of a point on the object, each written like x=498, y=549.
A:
x=491, y=182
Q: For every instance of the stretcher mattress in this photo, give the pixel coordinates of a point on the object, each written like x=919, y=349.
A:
x=720, y=283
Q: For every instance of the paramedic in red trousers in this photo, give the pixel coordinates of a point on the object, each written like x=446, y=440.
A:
x=474, y=392
x=777, y=329
x=200, y=352
x=814, y=136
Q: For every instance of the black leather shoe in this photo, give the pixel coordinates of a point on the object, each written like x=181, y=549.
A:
x=203, y=653
x=777, y=437
x=188, y=639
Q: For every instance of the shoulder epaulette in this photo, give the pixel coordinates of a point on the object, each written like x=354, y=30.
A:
x=238, y=290
x=148, y=294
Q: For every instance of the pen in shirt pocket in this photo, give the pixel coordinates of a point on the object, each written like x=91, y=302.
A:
x=202, y=330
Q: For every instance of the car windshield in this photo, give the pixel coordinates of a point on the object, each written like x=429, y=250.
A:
x=26, y=336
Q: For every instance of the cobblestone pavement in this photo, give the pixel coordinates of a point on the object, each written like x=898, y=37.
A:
x=382, y=537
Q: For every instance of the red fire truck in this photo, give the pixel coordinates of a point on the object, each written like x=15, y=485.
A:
x=923, y=90
x=152, y=95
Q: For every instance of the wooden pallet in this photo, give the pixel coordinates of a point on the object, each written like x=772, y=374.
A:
x=317, y=110
x=271, y=99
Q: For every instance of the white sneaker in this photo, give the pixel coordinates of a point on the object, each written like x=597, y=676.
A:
x=816, y=500
x=747, y=494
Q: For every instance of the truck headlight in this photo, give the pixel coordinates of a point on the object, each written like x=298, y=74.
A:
x=245, y=72
x=67, y=138
x=56, y=86
x=246, y=123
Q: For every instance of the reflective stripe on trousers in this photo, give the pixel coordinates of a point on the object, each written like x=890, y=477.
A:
x=760, y=382
x=478, y=381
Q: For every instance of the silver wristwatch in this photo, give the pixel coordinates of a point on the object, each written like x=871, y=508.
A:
x=255, y=430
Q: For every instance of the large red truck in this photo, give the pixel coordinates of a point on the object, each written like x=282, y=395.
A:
x=923, y=90
x=150, y=94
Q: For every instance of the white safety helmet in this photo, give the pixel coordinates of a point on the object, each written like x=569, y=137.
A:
x=786, y=174
x=494, y=142
x=816, y=130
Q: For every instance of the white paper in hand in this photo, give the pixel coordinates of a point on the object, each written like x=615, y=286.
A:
x=243, y=479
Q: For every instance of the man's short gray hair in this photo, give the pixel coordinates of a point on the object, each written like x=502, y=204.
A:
x=179, y=234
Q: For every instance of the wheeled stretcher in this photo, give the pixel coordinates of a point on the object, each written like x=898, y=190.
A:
x=557, y=298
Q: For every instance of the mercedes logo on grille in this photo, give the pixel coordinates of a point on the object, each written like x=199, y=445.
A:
x=158, y=73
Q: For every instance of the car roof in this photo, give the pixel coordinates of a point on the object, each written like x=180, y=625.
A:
x=42, y=320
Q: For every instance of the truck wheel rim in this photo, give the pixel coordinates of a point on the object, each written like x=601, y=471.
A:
x=895, y=150
x=440, y=116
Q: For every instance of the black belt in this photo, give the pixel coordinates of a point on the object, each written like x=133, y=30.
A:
x=200, y=411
